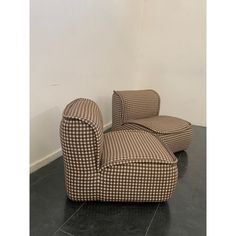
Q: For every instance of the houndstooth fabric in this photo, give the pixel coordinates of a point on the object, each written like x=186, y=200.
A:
x=128, y=146
x=79, y=148
x=81, y=136
x=135, y=104
x=117, y=114
x=136, y=166
x=177, y=141
x=162, y=124
x=174, y=132
x=118, y=166
x=87, y=111
x=138, y=182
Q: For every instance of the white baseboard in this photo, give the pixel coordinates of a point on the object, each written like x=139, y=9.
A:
x=45, y=160
x=107, y=126
x=54, y=155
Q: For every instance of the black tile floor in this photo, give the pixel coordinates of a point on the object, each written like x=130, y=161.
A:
x=51, y=213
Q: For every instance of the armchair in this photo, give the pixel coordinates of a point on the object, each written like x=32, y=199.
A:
x=139, y=110
x=126, y=165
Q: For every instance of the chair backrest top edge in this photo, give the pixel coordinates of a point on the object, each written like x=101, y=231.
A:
x=86, y=110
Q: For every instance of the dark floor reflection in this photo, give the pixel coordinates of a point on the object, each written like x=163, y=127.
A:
x=182, y=163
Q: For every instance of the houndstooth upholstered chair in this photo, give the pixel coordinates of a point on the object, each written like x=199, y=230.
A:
x=139, y=110
x=125, y=165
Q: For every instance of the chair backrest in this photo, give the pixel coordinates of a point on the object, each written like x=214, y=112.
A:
x=134, y=104
x=81, y=133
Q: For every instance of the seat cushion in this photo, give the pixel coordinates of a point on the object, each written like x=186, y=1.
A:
x=130, y=146
x=177, y=135
x=136, y=166
x=163, y=124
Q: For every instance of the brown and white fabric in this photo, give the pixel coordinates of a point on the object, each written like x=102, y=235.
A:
x=175, y=132
x=118, y=166
x=81, y=133
x=135, y=166
x=133, y=146
x=162, y=124
x=134, y=104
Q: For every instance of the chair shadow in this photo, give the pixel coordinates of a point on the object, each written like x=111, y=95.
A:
x=182, y=163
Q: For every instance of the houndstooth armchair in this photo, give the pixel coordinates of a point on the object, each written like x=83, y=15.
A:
x=139, y=110
x=125, y=165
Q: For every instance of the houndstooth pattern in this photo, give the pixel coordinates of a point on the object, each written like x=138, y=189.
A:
x=174, y=132
x=162, y=124
x=177, y=141
x=138, y=182
x=136, y=166
x=87, y=111
x=117, y=119
x=118, y=166
x=135, y=104
x=82, y=143
x=80, y=159
x=128, y=146
x=174, y=142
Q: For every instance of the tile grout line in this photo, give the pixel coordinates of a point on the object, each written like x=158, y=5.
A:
x=65, y=232
x=152, y=219
x=69, y=218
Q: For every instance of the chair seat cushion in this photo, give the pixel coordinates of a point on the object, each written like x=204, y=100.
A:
x=136, y=166
x=163, y=124
x=132, y=146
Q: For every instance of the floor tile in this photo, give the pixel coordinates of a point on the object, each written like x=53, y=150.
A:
x=62, y=233
x=185, y=212
x=49, y=206
x=53, y=167
x=111, y=219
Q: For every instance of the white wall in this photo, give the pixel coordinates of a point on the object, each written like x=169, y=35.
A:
x=88, y=48
x=171, y=56
x=79, y=48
